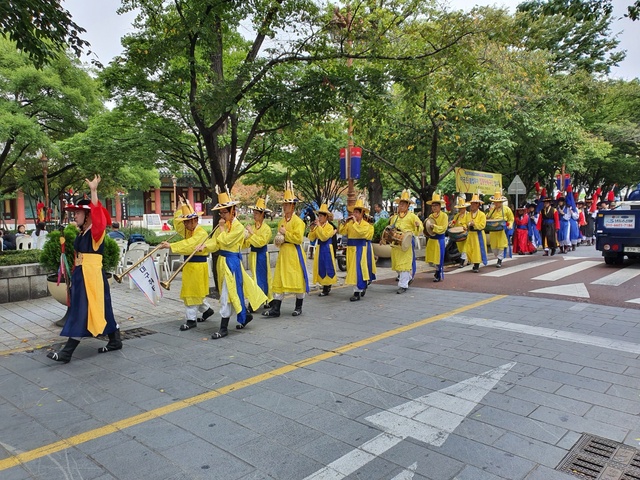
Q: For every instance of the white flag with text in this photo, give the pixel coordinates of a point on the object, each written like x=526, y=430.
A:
x=146, y=279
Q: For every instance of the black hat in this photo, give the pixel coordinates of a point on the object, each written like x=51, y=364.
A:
x=115, y=225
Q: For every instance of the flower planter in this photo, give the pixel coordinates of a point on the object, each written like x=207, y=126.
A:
x=59, y=292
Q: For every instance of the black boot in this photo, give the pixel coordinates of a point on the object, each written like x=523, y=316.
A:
x=325, y=291
x=64, y=355
x=553, y=252
x=298, y=310
x=206, y=315
x=274, y=311
x=476, y=268
x=247, y=319
x=355, y=297
x=499, y=264
x=224, y=323
x=115, y=343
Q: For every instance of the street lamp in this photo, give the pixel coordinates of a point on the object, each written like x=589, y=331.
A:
x=44, y=161
x=174, y=179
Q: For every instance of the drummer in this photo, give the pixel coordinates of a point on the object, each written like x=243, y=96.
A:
x=498, y=239
x=405, y=262
x=476, y=243
x=460, y=221
x=434, y=254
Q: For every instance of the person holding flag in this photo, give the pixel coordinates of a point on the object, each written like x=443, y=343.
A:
x=195, y=274
x=90, y=312
x=257, y=239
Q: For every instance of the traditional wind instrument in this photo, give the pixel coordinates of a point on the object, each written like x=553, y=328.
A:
x=118, y=278
x=167, y=285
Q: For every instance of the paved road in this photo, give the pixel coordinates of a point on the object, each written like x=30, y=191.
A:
x=433, y=384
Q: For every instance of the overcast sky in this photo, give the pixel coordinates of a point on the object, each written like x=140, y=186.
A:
x=105, y=28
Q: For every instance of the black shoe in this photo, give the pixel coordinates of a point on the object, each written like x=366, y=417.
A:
x=476, y=268
x=364, y=291
x=401, y=290
x=115, y=343
x=189, y=325
x=274, y=311
x=222, y=332
x=64, y=355
x=206, y=315
x=573, y=248
x=298, y=310
x=325, y=291
x=436, y=280
x=355, y=297
x=499, y=264
x=249, y=317
x=553, y=252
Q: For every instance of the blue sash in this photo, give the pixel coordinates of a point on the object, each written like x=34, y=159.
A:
x=325, y=260
x=359, y=243
x=522, y=227
x=303, y=265
x=483, y=248
x=195, y=258
x=262, y=268
x=507, y=250
x=372, y=275
x=234, y=263
x=440, y=267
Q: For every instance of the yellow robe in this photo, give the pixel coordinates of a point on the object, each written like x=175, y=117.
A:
x=195, y=275
x=461, y=220
x=231, y=241
x=432, y=253
x=323, y=233
x=289, y=274
x=355, y=231
x=403, y=261
x=260, y=238
x=472, y=244
x=499, y=239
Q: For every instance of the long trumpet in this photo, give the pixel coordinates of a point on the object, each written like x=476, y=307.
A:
x=167, y=285
x=118, y=278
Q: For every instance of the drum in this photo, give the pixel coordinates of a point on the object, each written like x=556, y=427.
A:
x=457, y=234
x=397, y=238
x=495, y=225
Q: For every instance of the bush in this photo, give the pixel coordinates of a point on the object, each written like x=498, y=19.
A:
x=18, y=257
x=149, y=235
x=378, y=228
x=50, y=256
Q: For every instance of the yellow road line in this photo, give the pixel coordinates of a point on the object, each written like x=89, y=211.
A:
x=203, y=397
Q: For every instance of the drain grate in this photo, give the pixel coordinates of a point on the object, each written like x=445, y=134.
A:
x=599, y=458
x=131, y=333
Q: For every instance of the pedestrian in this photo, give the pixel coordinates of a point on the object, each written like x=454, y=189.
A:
x=290, y=274
x=324, y=263
x=257, y=240
x=548, y=225
x=476, y=244
x=115, y=232
x=499, y=238
x=521, y=243
x=90, y=313
x=404, y=221
x=359, y=261
x=238, y=291
x=438, y=221
x=460, y=221
x=195, y=274
x=379, y=212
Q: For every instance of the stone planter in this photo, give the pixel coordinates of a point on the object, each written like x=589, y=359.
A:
x=381, y=251
x=22, y=282
x=58, y=292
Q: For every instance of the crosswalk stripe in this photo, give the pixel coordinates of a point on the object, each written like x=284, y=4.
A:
x=573, y=290
x=517, y=268
x=566, y=271
x=619, y=276
x=489, y=264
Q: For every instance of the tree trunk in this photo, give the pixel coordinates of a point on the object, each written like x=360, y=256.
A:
x=375, y=187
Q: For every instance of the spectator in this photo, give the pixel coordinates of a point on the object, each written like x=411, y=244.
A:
x=115, y=232
x=8, y=240
x=380, y=212
x=22, y=231
x=165, y=227
x=39, y=235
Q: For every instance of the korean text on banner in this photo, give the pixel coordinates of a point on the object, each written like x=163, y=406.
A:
x=146, y=279
x=474, y=181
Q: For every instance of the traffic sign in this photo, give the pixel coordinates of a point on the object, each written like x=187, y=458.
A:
x=517, y=187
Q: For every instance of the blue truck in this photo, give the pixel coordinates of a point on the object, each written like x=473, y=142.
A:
x=618, y=231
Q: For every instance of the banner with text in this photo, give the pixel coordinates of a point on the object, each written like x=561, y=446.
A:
x=474, y=181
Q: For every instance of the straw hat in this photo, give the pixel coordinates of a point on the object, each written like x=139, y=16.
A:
x=187, y=213
x=462, y=203
x=289, y=197
x=361, y=205
x=324, y=209
x=261, y=205
x=224, y=199
x=475, y=198
x=498, y=197
x=405, y=196
x=435, y=198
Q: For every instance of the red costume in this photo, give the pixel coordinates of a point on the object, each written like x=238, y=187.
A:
x=521, y=242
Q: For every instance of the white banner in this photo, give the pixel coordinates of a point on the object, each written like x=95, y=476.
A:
x=146, y=279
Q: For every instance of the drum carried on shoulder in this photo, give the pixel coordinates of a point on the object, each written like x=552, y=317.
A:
x=457, y=234
x=495, y=225
x=396, y=238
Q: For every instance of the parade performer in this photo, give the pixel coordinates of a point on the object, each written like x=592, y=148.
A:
x=90, y=313
x=499, y=240
x=324, y=259
x=564, y=232
x=434, y=253
x=461, y=219
x=476, y=245
x=548, y=225
x=238, y=290
x=574, y=226
x=258, y=239
x=534, y=234
x=195, y=274
x=290, y=274
x=405, y=262
x=521, y=243
x=360, y=263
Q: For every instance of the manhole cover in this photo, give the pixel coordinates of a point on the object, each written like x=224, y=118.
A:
x=131, y=333
x=601, y=459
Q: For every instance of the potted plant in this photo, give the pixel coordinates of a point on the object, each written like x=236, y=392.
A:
x=382, y=251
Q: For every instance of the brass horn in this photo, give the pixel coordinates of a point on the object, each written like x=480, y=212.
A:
x=118, y=278
x=167, y=285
